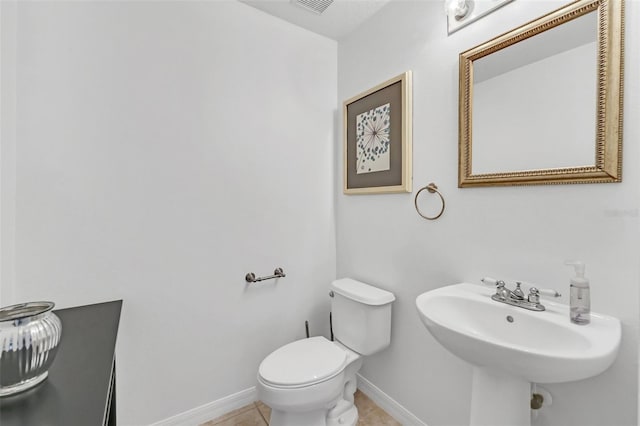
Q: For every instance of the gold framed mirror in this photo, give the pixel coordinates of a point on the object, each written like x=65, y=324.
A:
x=542, y=104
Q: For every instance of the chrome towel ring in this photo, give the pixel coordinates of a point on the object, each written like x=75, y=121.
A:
x=432, y=188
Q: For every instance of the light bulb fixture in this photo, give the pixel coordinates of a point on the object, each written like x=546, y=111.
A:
x=463, y=12
x=457, y=9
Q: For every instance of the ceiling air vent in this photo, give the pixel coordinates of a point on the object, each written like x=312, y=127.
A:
x=317, y=6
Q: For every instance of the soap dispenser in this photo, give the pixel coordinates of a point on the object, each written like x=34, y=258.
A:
x=580, y=298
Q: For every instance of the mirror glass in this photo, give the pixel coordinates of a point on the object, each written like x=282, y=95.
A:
x=543, y=102
x=535, y=102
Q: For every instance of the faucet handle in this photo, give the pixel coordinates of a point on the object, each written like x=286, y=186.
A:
x=549, y=292
x=534, y=294
x=492, y=281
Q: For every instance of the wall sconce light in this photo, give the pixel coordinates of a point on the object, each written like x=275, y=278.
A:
x=456, y=8
x=463, y=12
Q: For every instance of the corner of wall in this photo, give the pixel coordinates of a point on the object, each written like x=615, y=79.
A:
x=7, y=150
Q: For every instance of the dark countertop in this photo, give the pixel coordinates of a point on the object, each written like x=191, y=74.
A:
x=78, y=387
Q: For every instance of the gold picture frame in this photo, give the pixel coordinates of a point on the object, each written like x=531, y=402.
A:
x=607, y=165
x=377, y=139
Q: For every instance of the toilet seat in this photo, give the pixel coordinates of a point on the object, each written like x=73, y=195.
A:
x=303, y=363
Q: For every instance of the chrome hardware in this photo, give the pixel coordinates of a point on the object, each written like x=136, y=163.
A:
x=515, y=297
x=277, y=273
x=534, y=295
x=501, y=291
x=518, y=293
x=433, y=189
x=331, y=293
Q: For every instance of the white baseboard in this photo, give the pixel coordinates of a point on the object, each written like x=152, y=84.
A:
x=211, y=410
x=388, y=404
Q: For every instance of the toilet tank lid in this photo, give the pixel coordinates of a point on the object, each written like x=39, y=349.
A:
x=361, y=292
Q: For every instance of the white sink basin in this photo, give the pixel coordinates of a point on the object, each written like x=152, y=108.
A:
x=541, y=347
x=509, y=347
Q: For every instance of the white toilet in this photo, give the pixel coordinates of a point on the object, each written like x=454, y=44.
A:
x=311, y=382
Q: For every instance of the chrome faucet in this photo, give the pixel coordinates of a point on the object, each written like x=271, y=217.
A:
x=516, y=297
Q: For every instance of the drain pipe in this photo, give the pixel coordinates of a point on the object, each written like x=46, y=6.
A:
x=539, y=397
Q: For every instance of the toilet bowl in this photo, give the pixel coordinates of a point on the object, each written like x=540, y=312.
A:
x=311, y=382
x=305, y=380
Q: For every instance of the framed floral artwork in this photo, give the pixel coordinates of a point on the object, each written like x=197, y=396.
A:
x=377, y=139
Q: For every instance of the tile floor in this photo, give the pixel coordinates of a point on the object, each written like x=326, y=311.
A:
x=257, y=414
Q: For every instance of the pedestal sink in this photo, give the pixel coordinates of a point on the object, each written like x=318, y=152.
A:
x=509, y=347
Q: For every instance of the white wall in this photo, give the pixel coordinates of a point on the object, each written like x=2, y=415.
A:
x=7, y=150
x=164, y=150
x=507, y=232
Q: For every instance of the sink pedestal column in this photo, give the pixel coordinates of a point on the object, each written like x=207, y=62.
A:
x=499, y=399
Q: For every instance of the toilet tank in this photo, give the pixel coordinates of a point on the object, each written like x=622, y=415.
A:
x=361, y=315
